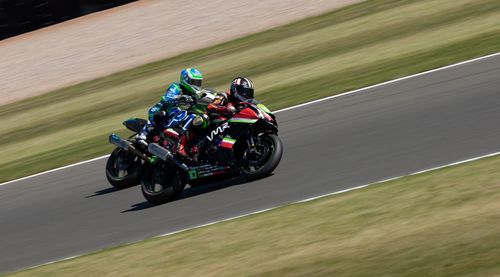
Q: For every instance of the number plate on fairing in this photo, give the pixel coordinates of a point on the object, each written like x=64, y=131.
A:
x=207, y=171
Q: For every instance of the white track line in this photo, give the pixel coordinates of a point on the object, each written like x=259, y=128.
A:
x=55, y=169
x=292, y=107
x=390, y=82
x=276, y=207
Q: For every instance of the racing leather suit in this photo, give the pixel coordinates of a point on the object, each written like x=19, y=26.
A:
x=170, y=101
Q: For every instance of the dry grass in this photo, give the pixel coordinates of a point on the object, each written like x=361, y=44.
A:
x=443, y=223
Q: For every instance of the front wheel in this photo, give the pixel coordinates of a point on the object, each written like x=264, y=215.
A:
x=123, y=169
x=161, y=183
x=260, y=161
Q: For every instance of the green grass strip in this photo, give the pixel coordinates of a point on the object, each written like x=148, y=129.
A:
x=359, y=45
x=441, y=223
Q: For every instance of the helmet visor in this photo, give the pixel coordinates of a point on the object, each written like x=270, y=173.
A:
x=246, y=92
x=195, y=82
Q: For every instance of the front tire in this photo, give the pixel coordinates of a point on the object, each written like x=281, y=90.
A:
x=264, y=162
x=123, y=169
x=161, y=183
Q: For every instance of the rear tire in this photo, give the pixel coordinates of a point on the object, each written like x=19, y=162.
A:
x=161, y=183
x=123, y=169
x=270, y=162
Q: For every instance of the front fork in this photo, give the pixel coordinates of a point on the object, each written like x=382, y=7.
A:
x=251, y=143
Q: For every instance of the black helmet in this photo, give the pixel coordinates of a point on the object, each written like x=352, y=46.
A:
x=242, y=87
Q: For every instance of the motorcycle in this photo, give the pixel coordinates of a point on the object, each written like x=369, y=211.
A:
x=245, y=144
x=125, y=164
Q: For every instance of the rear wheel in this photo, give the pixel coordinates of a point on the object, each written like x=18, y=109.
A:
x=123, y=169
x=260, y=161
x=161, y=183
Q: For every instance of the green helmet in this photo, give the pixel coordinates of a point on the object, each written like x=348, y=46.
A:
x=191, y=79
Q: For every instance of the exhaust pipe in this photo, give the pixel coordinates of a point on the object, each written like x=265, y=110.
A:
x=164, y=154
x=159, y=151
x=118, y=141
x=127, y=146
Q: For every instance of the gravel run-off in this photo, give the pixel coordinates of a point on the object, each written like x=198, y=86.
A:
x=117, y=39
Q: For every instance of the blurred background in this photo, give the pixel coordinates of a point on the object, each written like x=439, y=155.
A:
x=17, y=17
x=64, y=88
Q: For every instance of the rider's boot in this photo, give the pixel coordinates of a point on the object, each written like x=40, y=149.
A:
x=181, y=149
x=142, y=136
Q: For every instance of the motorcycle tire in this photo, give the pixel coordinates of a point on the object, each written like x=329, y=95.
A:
x=161, y=183
x=133, y=170
x=273, y=159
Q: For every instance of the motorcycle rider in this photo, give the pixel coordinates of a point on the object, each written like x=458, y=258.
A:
x=223, y=106
x=177, y=93
x=241, y=89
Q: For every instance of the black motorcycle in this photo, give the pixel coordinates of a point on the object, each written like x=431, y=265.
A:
x=125, y=164
x=246, y=143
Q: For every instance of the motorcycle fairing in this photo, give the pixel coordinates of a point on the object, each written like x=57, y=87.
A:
x=176, y=118
x=227, y=142
x=207, y=170
x=135, y=124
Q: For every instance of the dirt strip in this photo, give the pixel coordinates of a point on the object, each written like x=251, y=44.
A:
x=102, y=43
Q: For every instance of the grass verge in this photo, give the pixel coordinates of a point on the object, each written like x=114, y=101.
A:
x=359, y=45
x=441, y=223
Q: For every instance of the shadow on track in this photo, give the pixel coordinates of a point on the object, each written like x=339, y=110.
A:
x=194, y=191
x=103, y=192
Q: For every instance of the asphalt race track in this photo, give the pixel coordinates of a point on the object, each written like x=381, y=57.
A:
x=388, y=131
